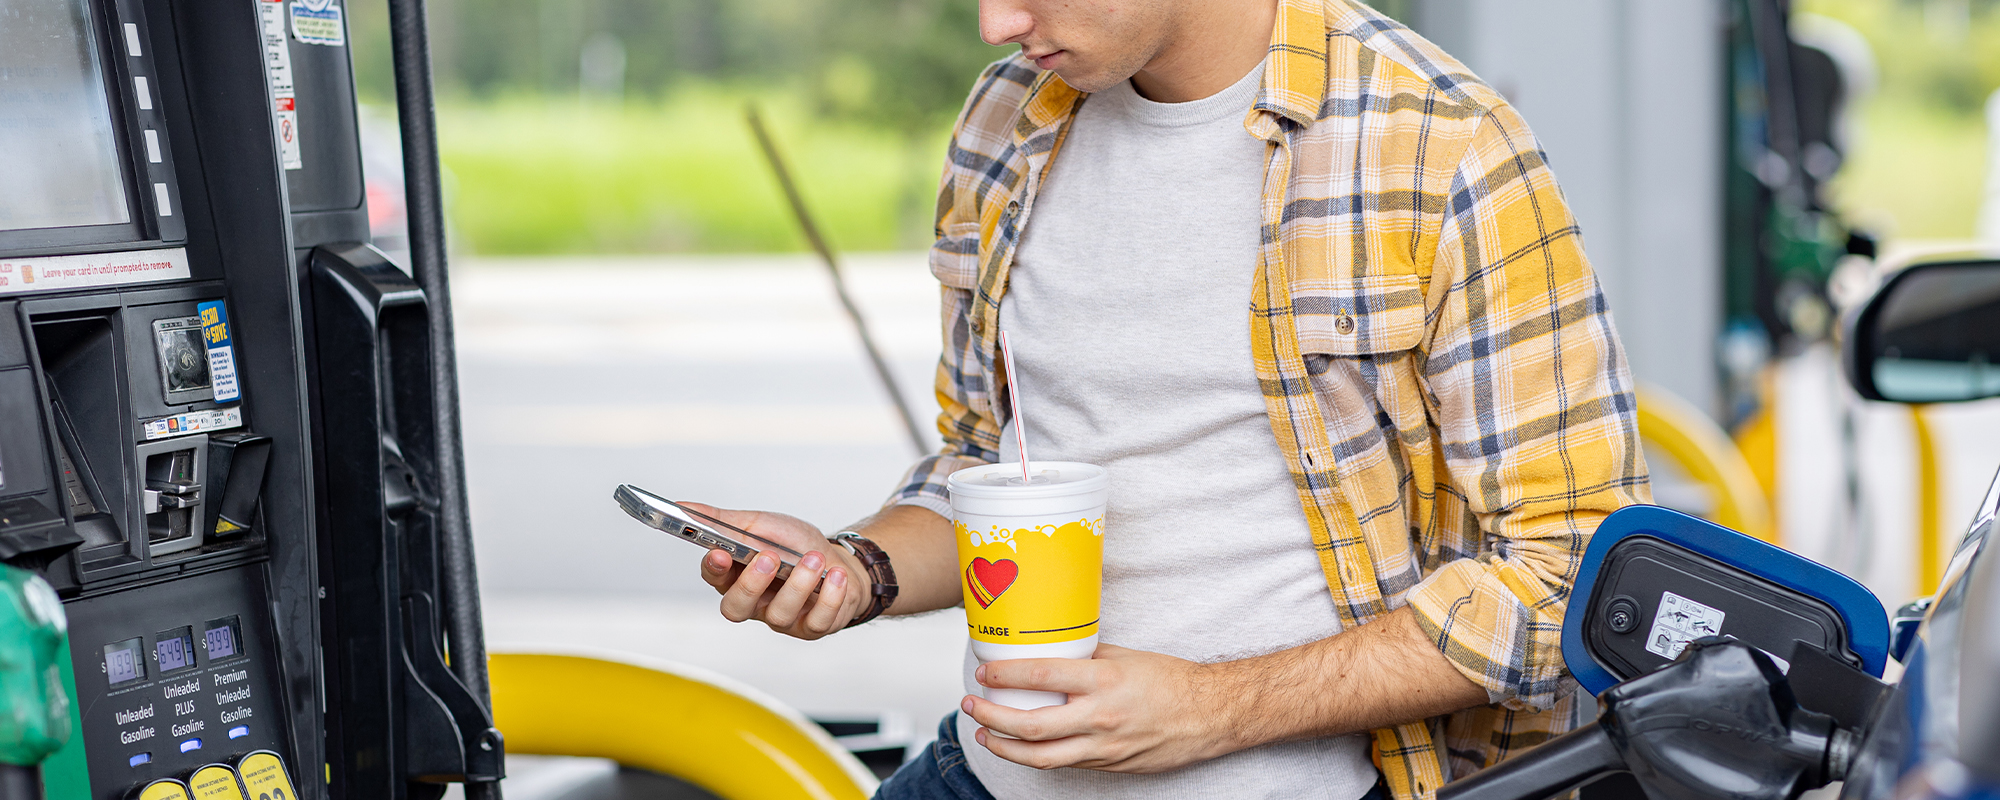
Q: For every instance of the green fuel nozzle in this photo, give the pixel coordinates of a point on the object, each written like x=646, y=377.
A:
x=34, y=708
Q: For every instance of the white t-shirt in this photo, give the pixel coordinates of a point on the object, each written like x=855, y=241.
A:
x=1129, y=310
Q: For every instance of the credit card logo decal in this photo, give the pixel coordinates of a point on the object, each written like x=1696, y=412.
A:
x=213, y=419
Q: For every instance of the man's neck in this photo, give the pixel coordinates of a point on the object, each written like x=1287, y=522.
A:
x=1214, y=45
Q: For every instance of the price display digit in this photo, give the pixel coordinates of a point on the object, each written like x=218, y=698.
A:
x=174, y=649
x=121, y=662
x=219, y=637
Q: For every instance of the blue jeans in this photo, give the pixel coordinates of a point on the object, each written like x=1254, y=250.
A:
x=940, y=773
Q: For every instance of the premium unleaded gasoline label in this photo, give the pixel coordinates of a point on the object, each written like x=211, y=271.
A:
x=1039, y=584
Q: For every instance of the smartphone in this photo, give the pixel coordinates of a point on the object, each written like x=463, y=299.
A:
x=701, y=529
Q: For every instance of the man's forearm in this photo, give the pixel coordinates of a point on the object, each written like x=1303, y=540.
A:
x=921, y=549
x=1380, y=674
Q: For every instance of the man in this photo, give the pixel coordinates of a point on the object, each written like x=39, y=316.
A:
x=1307, y=289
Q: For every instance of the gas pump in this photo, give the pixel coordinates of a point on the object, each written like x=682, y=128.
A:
x=228, y=439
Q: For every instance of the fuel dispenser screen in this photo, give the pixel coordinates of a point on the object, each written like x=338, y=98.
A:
x=58, y=149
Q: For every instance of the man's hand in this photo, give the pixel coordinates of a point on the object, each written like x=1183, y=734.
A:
x=806, y=606
x=1133, y=711
x=1128, y=711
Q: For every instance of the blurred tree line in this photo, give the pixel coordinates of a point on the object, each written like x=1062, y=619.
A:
x=904, y=64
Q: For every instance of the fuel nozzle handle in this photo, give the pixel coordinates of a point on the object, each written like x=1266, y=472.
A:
x=1719, y=722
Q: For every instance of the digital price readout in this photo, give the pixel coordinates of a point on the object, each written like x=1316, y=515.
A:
x=220, y=637
x=174, y=650
x=122, y=662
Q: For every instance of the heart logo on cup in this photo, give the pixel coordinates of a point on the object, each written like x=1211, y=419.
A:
x=990, y=579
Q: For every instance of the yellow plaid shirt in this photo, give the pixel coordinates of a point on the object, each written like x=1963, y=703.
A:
x=1435, y=353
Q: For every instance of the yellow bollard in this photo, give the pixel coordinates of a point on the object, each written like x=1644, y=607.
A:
x=671, y=719
x=1930, y=561
x=1688, y=436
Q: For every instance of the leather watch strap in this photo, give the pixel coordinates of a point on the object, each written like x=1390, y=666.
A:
x=881, y=576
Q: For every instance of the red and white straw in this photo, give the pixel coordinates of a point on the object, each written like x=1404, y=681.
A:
x=1014, y=400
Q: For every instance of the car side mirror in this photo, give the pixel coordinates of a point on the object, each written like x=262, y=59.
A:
x=1930, y=334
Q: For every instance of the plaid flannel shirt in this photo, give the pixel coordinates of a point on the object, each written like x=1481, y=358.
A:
x=1435, y=353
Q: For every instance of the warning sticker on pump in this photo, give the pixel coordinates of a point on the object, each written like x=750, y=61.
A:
x=1678, y=622
x=213, y=419
x=288, y=132
x=278, y=67
x=318, y=22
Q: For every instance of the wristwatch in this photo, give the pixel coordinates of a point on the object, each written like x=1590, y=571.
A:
x=881, y=577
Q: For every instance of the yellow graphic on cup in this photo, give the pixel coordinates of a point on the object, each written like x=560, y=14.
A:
x=1032, y=585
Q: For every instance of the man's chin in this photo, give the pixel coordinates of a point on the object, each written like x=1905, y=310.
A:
x=1088, y=81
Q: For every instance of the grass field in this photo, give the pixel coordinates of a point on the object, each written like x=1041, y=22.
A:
x=551, y=174
x=1918, y=167
x=1918, y=172
x=556, y=175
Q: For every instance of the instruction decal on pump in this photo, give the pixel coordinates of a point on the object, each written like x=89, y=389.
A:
x=221, y=356
x=56, y=273
x=1678, y=622
x=278, y=68
x=318, y=22
x=213, y=419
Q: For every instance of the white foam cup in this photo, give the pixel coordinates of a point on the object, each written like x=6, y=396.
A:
x=1030, y=559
